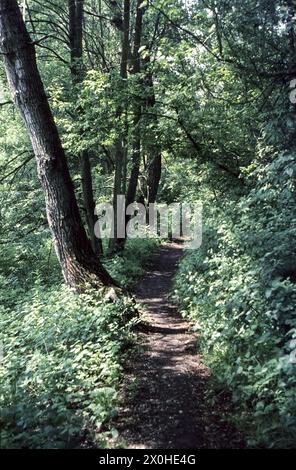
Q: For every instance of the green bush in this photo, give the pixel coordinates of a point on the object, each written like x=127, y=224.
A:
x=129, y=265
x=61, y=367
x=62, y=354
x=240, y=291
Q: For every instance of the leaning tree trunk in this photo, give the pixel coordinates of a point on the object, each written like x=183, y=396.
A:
x=79, y=265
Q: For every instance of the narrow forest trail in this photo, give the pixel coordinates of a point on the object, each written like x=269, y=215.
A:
x=165, y=403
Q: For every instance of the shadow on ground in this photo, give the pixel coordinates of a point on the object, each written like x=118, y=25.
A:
x=168, y=408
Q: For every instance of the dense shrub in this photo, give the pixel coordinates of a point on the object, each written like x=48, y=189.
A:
x=62, y=359
x=61, y=367
x=129, y=265
x=239, y=289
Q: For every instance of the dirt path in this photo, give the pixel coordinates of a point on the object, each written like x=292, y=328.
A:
x=165, y=404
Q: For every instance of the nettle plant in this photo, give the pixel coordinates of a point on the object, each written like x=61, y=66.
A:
x=61, y=367
x=240, y=290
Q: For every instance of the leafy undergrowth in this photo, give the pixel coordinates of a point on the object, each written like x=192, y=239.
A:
x=61, y=366
x=239, y=290
x=128, y=266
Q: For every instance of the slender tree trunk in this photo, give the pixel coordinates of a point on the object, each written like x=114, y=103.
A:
x=89, y=202
x=136, y=151
x=79, y=265
x=77, y=72
x=153, y=147
x=137, y=110
x=120, y=156
x=75, y=37
x=154, y=175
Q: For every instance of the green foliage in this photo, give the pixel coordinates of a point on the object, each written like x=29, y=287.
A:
x=130, y=265
x=239, y=289
x=175, y=172
x=61, y=367
x=223, y=123
x=63, y=353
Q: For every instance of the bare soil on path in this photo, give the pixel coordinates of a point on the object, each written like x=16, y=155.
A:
x=166, y=401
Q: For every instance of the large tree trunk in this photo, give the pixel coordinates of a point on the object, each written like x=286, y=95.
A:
x=79, y=265
x=77, y=72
